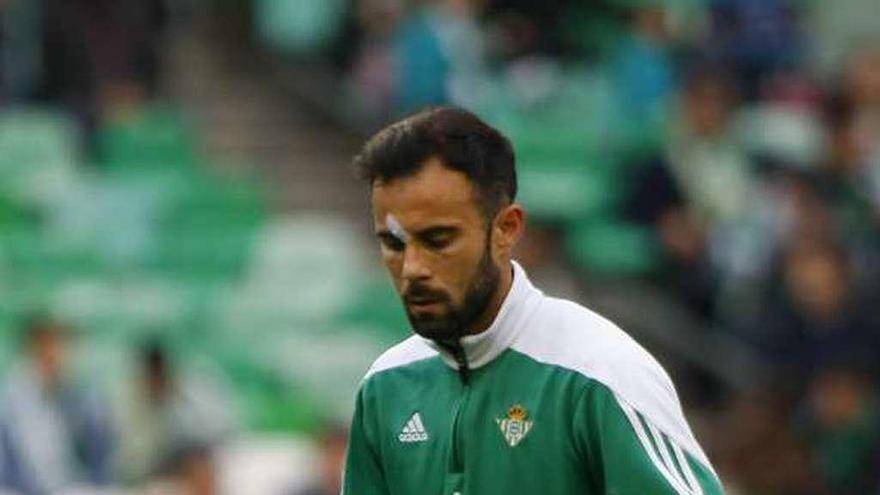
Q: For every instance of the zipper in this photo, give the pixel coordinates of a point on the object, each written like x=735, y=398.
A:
x=457, y=465
x=464, y=373
x=464, y=369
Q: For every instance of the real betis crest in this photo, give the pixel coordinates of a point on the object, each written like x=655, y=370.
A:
x=516, y=425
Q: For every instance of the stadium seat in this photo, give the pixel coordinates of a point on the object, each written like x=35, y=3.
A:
x=38, y=152
x=564, y=194
x=610, y=248
x=302, y=27
x=156, y=138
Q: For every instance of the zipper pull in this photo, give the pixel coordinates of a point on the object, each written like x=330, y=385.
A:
x=464, y=370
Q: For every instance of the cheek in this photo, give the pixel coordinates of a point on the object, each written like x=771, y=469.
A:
x=389, y=257
x=459, y=270
x=393, y=261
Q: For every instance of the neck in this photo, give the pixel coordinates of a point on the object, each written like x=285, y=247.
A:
x=505, y=281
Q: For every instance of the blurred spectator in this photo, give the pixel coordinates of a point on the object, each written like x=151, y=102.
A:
x=845, y=174
x=332, y=442
x=642, y=69
x=539, y=253
x=834, y=33
x=529, y=28
x=102, y=41
x=757, y=37
x=373, y=74
x=190, y=470
x=164, y=414
x=53, y=435
x=757, y=177
x=842, y=425
x=21, y=57
x=92, y=47
x=758, y=453
x=850, y=173
x=439, y=47
x=705, y=158
x=819, y=315
x=701, y=184
x=802, y=212
x=198, y=473
x=862, y=88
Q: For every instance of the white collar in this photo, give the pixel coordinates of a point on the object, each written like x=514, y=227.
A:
x=521, y=300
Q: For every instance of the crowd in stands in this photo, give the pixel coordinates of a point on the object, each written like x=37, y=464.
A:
x=744, y=144
x=90, y=56
x=726, y=152
x=59, y=434
x=104, y=185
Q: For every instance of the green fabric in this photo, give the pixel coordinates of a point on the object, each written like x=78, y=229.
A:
x=579, y=440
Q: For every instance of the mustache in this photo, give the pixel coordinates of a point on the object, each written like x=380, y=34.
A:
x=421, y=293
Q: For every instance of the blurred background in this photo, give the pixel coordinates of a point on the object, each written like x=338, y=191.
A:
x=190, y=294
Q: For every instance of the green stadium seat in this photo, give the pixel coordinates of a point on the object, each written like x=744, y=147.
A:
x=14, y=215
x=565, y=194
x=376, y=310
x=158, y=138
x=38, y=152
x=613, y=249
x=303, y=27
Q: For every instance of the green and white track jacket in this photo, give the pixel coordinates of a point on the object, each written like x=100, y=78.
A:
x=552, y=399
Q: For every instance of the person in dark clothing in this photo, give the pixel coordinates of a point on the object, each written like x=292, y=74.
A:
x=53, y=435
x=92, y=47
x=818, y=315
x=332, y=443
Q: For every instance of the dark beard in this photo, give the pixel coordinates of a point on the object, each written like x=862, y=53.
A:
x=459, y=320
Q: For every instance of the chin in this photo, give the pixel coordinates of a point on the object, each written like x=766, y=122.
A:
x=433, y=329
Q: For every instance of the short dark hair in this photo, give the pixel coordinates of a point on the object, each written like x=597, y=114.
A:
x=37, y=327
x=460, y=139
x=154, y=358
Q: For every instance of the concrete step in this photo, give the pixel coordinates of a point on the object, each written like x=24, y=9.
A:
x=248, y=118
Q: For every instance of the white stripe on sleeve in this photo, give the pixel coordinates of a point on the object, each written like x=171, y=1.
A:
x=649, y=449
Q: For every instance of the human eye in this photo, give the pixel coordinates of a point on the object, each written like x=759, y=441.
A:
x=391, y=242
x=439, y=240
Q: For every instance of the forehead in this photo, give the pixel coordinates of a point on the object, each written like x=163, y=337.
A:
x=434, y=194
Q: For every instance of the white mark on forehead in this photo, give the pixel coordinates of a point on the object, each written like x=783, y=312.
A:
x=396, y=229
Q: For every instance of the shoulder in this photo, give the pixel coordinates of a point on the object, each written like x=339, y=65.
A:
x=565, y=334
x=411, y=350
x=569, y=335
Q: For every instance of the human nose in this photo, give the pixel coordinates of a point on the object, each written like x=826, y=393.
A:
x=415, y=266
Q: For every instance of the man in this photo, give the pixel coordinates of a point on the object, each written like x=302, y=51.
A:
x=502, y=390
x=53, y=435
x=169, y=417
x=332, y=442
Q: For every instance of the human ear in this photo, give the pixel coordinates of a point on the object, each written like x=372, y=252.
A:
x=509, y=227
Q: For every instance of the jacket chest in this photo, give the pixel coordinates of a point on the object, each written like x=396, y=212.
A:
x=443, y=436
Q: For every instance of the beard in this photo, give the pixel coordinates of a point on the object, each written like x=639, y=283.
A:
x=458, y=319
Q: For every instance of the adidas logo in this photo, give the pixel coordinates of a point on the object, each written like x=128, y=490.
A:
x=414, y=430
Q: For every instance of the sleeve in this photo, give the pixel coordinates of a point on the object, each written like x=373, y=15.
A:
x=363, y=469
x=627, y=454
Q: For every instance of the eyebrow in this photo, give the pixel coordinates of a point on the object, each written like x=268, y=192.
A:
x=428, y=232
x=437, y=230
x=387, y=234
